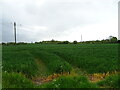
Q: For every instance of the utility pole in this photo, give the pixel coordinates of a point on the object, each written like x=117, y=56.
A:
x=15, y=31
x=81, y=37
x=119, y=22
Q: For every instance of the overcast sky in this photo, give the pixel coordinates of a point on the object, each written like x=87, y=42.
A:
x=39, y=20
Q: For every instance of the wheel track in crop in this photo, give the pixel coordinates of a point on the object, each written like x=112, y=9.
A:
x=45, y=79
x=42, y=69
x=94, y=78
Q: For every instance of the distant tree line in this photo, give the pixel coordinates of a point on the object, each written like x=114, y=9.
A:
x=111, y=39
x=13, y=43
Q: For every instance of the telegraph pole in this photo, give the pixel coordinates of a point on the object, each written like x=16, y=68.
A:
x=119, y=22
x=15, y=31
x=81, y=37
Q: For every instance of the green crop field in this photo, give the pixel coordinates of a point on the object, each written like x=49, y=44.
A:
x=60, y=66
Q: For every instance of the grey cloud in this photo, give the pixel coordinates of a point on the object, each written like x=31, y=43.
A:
x=57, y=15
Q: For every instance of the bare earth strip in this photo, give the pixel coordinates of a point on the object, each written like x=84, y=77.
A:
x=43, y=79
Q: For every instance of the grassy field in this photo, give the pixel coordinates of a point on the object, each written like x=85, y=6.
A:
x=69, y=65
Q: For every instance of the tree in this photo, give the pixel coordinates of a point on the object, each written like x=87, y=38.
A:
x=75, y=42
x=52, y=40
x=113, y=39
x=65, y=42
